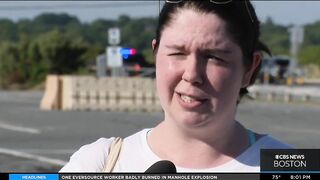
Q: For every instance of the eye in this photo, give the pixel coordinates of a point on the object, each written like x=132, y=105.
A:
x=214, y=58
x=176, y=54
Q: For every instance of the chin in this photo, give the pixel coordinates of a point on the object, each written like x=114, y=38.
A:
x=192, y=119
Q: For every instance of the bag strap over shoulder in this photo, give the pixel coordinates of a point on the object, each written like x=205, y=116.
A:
x=114, y=151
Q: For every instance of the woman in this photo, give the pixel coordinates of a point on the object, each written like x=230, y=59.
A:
x=207, y=54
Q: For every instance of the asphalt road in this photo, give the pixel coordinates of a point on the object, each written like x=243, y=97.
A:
x=32, y=140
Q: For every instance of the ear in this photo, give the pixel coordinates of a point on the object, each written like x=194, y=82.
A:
x=249, y=71
x=153, y=44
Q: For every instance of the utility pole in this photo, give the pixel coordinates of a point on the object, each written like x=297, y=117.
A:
x=296, y=39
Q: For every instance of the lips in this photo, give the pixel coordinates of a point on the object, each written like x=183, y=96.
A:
x=190, y=101
x=187, y=99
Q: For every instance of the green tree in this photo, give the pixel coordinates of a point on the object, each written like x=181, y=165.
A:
x=62, y=53
x=19, y=64
x=24, y=28
x=97, y=32
x=310, y=55
x=148, y=54
x=276, y=37
x=9, y=64
x=49, y=21
x=312, y=34
x=8, y=30
x=123, y=20
x=38, y=68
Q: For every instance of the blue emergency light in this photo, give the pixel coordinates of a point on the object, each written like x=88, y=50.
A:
x=126, y=52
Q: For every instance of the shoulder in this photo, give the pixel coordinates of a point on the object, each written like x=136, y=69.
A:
x=137, y=137
x=90, y=157
x=250, y=159
x=265, y=142
x=268, y=142
x=134, y=149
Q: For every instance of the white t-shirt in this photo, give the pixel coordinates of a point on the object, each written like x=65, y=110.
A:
x=136, y=156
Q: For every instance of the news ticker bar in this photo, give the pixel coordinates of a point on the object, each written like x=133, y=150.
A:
x=178, y=176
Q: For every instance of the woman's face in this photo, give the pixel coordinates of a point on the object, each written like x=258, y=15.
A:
x=199, y=70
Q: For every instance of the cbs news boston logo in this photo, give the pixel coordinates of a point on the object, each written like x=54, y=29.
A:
x=290, y=160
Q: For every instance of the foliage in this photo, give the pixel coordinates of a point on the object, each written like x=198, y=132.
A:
x=61, y=44
x=148, y=53
x=312, y=34
x=310, y=55
x=62, y=54
x=29, y=61
x=276, y=37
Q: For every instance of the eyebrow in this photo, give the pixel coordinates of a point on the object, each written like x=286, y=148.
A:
x=180, y=47
x=207, y=50
x=217, y=50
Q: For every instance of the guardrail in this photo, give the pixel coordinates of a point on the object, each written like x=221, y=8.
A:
x=139, y=94
x=107, y=93
x=286, y=93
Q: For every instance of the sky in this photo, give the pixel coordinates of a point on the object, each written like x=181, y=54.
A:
x=282, y=12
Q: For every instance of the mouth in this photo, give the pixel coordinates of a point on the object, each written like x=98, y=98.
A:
x=187, y=99
x=190, y=101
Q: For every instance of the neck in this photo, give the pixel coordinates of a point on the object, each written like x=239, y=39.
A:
x=199, y=148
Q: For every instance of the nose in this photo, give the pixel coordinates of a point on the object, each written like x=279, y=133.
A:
x=193, y=71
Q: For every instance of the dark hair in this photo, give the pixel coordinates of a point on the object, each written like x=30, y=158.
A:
x=242, y=24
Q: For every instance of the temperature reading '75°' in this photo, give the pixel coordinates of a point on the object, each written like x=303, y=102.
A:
x=276, y=176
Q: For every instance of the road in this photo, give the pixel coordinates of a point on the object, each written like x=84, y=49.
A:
x=41, y=141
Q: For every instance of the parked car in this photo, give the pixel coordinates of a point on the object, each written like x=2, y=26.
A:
x=280, y=70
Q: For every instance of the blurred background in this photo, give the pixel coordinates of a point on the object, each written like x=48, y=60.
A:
x=41, y=38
